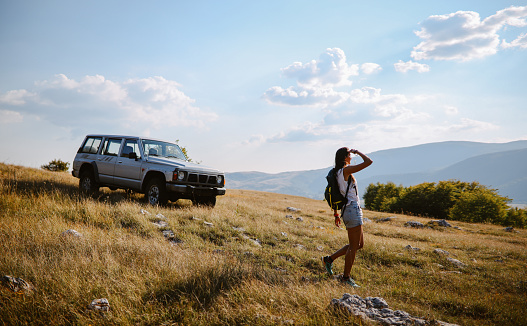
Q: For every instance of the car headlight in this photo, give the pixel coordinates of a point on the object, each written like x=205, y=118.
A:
x=219, y=179
x=179, y=175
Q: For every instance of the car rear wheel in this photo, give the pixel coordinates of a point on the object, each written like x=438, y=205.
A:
x=156, y=193
x=87, y=183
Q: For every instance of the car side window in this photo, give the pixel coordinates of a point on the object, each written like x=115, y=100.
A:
x=111, y=147
x=91, y=145
x=130, y=146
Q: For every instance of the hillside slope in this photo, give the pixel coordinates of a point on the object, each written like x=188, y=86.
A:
x=248, y=261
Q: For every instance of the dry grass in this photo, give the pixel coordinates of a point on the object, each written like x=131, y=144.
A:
x=218, y=275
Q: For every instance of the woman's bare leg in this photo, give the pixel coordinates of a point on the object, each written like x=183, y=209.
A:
x=354, y=237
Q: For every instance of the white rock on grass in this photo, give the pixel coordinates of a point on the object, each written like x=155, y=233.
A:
x=71, y=233
x=409, y=247
x=17, y=284
x=456, y=262
x=99, y=305
x=377, y=310
x=293, y=209
x=414, y=224
x=441, y=252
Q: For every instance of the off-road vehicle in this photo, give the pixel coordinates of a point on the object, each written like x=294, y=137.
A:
x=159, y=169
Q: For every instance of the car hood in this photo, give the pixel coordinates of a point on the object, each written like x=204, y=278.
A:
x=177, y=163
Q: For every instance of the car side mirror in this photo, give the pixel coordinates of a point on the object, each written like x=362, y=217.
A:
x=132, y=155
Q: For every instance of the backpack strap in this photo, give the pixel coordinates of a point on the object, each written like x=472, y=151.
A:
x=346, y=195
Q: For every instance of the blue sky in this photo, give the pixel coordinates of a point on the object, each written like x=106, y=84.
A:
x=260, y=86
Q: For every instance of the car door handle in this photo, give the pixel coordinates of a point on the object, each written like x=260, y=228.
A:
x=119, y=161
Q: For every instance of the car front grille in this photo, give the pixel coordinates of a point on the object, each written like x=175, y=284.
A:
x=202, y=179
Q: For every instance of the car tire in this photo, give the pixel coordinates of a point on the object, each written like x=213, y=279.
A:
x=87, y=183
x=156, y=193
x=208, y=201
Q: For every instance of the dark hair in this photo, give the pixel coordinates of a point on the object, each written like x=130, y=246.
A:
x=340, y=157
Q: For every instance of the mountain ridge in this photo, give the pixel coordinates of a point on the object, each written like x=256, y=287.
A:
x=465, y=161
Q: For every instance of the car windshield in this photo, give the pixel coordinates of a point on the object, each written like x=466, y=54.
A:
x=160, y=148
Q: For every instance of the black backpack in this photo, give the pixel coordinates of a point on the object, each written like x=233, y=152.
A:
x=332, y=193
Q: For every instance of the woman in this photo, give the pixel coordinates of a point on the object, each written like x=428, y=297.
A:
x=351, y=212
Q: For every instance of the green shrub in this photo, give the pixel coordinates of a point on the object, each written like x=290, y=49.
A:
x=479, y=206
x=457, y=200
x=56, y=166
x=515, y=217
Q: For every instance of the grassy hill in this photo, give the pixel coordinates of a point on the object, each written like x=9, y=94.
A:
x=243, y=262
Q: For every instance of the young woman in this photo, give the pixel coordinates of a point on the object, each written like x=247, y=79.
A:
x=351, y=213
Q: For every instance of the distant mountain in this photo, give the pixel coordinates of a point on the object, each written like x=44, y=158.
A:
x=502, y=166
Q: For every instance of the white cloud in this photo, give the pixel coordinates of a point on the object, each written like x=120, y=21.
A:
x=304, y=96
x=520, y=41
x=8, y=117
x=96, y=101
x=317, y=81
x=411, y=65
x=451, y=110
x=463, y=35
x=331, y=69
x=370, y=68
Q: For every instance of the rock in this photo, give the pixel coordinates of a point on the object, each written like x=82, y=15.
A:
x=299, y=246
x=377, y=310
x=409, y=247
x=293, y=209
x=443, y=223
x=510, y=229
x=240, y=229
x=456, y=262
x=299, y=219
x=414, y=224
x=17, y=284
x=208, y=224
x=441, y=252
x=100, y=305
x=71, y=233
x=366, y=220
x=144, y=212
x=161, y=216
x=386, y=219
x=289, y=216
x=283, y=234
x=160, y=224
x=320, y=248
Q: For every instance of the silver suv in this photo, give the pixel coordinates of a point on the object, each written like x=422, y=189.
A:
x=159, y=169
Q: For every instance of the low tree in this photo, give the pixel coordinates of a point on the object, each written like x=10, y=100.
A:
x=56, y=166
x=480, y=206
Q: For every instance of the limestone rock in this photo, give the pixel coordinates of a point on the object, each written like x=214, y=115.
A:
x=377, y=310
x=17, y=284
x=72, y=233
x=100, y=305
x=293, y=209
x=414, y=224
x=443, y=223
x=441, y=252
x=456, y=262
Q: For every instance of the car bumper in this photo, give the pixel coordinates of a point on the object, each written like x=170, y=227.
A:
x=192, y=190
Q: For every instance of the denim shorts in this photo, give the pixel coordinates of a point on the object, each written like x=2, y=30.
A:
x=352, y=215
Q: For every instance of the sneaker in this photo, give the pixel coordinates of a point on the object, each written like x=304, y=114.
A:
x=349, y=281
x=328, y=264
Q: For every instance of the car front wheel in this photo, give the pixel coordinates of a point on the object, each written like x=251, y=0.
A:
x=156, y=193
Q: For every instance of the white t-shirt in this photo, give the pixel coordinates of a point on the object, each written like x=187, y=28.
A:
x=343, y=184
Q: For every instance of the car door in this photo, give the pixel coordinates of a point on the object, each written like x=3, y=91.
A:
x=128, y=167
x=107, y=159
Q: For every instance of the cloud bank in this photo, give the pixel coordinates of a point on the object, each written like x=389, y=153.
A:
x=96, y=101
x=463, y=36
